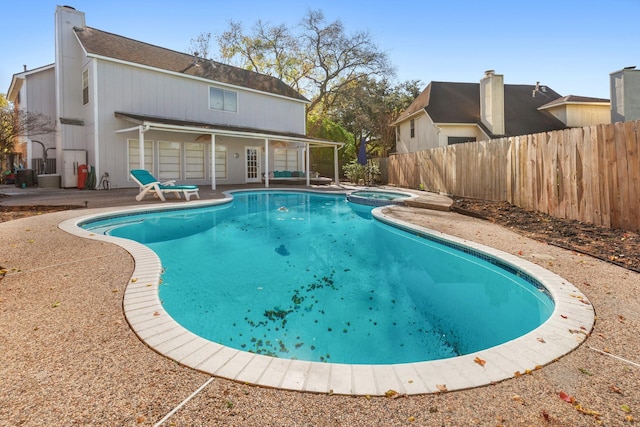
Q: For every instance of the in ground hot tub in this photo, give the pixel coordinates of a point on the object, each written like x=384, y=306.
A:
x=378, y=197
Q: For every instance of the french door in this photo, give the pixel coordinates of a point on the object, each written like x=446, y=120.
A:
x=252, y=168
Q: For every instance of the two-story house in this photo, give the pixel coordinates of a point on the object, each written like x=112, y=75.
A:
x=123, y=104
x=448, y=113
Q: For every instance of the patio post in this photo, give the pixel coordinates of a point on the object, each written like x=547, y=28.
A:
x=307, y=156
x=335, y=164
x=266, y=163
x=213, y=161
x=141, y=130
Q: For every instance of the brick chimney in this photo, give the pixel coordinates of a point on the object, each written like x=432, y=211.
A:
x=492, y=102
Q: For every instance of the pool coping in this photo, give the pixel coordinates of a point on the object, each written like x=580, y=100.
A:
x=569, y=325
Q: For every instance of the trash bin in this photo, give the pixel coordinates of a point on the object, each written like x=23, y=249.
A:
x=26, y=178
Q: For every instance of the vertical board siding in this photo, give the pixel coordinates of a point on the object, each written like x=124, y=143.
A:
x=589, y=174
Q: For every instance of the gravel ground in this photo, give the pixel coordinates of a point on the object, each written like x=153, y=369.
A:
x=68, y=356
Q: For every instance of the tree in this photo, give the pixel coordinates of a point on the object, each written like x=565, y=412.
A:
x=15, y=123
x=318, y=62
x=367, y=109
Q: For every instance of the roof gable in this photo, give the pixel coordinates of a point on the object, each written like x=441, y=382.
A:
x=104, y=44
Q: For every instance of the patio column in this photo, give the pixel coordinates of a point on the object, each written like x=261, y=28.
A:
x=213, y=161
x=266, y=163
x=335, y=165
x=307, y=156
x=141, y=130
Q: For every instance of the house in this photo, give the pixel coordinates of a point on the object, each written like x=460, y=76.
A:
x=625, y=94
x=123, y=104
x=448, y=113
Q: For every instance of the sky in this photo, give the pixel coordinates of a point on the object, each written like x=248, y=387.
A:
x=570, y=46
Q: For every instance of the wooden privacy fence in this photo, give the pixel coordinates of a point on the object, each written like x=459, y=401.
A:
x=589, y=174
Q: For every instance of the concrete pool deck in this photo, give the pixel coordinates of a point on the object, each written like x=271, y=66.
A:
x=68, y=353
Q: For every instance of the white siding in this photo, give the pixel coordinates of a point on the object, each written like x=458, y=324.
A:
x=135, y=90
x=39, y=96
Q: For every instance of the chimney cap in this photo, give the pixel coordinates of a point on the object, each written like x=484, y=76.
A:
x=489, y=72
x=632, y=67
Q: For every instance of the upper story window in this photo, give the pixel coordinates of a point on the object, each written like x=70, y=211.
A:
x=85, y=87
x=223, y=100
x=413, y=128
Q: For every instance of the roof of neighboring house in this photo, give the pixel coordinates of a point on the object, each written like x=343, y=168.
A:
x=447, y=102
x=101, y=43
x=573, y=99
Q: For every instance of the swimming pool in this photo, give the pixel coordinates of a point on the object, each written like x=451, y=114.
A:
x=141, y=301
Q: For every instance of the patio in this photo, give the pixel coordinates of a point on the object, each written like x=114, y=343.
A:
x=69, y=356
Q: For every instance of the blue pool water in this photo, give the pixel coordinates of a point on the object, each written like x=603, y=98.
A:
x=313, y=277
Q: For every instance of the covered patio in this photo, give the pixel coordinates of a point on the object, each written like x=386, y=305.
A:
x=264, y=160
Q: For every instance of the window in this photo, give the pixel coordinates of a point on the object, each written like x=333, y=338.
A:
x=223, y=100
x=134, y=154
x=413, y=128
x=285, y=159
x=221, y=162
x=85, y=87
x=194, y=160
x=460, y=139
x=168, y=160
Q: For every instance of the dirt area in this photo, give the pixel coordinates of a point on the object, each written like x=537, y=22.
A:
x=616, y=246
x=7, y=213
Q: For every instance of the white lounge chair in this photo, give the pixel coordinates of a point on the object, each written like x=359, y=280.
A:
x=150, y=185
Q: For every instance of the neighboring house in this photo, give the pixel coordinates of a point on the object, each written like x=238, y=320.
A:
x=196, y=121
x=451, y=113
x=625, y=95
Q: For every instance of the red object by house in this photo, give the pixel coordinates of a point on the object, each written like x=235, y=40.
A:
x=82, y=176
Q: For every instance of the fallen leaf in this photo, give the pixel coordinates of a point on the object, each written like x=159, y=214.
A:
x=134, y=280
x=410, y=381
x=114, y=290
x=518, y=399
x=541, y=340
x=563, y=316
x=629, y=418
x=621, y=318
x=441, y=387
x=479, y=361
x=625, y=408
x=584, y=371
x=615, y=389
x=411, y=419
x=156, y=313
x=390, y=393
x=564, y=396
x=586, y=411
x=55, y=304
x=546, y=416
x=517, y=374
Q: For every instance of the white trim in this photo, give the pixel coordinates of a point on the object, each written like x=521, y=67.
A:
x=96, y=122
x=213, y=162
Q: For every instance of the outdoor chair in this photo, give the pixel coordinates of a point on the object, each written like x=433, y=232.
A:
x=150, y=185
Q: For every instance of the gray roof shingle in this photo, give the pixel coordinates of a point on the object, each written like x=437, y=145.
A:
x=447, y=102
x=101, y=43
